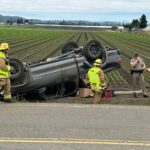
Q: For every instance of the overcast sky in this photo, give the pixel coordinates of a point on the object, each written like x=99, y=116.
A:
x=92, y=10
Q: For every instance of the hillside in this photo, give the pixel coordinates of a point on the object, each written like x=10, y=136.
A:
x=13, y=18
x=4, y=19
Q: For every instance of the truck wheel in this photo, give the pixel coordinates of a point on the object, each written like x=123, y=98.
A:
x=18, y=68
x=68, y=47
x=93, y=50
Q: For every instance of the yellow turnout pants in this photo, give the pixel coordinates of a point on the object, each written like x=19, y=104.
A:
x=7, y=86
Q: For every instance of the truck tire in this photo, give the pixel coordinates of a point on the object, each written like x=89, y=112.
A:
x=68, y=47
x=93, y=50
x=18, y=68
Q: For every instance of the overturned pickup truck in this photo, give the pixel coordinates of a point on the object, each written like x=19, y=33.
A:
x=63, y=74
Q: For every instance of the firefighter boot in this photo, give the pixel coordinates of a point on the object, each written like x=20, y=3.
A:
x=7, y=98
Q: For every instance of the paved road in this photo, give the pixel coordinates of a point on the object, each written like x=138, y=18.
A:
x=74, y=127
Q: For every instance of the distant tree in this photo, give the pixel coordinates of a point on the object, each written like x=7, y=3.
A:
x=11, y=22
x=26, y=21
x=8, y=21
x=18, y=21
x=135, y=24
x=126, y=25
x=114, y=27
x=21, y=21
x=63, y=22
x=143, y=21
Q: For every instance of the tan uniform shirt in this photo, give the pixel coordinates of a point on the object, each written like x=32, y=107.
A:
x=137, y=64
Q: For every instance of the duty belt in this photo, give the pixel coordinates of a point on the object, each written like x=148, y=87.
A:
x=137, y=71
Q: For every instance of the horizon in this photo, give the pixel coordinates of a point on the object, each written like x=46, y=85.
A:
x=95, y=11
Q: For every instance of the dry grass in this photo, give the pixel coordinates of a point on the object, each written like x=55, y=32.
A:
x=146, y=32
x=117, y=100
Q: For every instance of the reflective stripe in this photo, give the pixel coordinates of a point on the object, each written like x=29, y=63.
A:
x=4, y=74
x=94, y=75
x=96, y=88
x=2, y=82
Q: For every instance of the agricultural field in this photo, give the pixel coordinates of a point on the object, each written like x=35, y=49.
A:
x=33, y=44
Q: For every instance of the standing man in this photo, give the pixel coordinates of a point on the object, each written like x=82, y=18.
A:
x=96, y=79
x=5, y=72
x=137, y=69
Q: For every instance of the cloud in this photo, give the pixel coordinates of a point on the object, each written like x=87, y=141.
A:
x=102, y=6
x=43, y=8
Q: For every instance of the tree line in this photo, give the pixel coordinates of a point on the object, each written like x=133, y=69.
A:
x=18, y=21
x=140, y=23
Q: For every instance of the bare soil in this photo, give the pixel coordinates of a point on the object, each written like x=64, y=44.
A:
x=117, y=100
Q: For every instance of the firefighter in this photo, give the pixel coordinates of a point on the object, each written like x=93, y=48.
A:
x=5, y=72
x=96, y=79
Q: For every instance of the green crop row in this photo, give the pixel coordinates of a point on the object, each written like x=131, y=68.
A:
x=31, y=44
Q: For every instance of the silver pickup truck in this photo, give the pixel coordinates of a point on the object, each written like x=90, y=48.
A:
x=62, y=74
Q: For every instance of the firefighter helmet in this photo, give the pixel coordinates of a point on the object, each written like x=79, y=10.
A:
x=4, y=46
x=97, y=62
